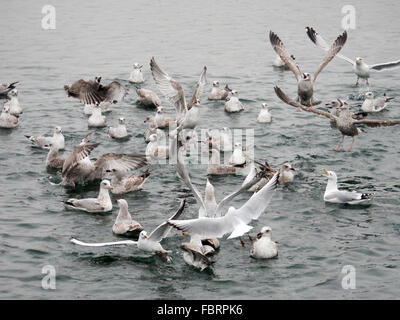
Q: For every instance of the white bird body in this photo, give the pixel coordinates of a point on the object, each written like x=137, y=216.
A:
x=124, y=224
x=156, y=151
x=13, y=103
x=100, y=204
x=238, y=158
x=136, y=75
x=264, y=247
x=233, y=104
x=8, y=120
x=374, y=105
x=57, y=140
x=118, y=132
x=217, y=93
x=97, y=119
x=334, y=195
x=148, y=98
x=264, y=116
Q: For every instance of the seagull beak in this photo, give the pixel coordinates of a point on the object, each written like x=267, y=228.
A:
x=324, y=175
x=184, y=233
x=112, y=188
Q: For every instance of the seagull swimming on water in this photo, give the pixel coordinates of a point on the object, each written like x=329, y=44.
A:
x=374, y=105
x=136, y=75
x=7, y=120
x=345, y=122
x=334, y=195
x=148, y=243
x=5, y=88
x=43, y=142
x=360, y=68
x=118, y=132
x=264, y=247
x=124, y=225
x=217, y=93
x=305, y=81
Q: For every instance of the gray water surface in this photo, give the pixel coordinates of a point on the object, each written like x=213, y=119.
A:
x=230, y=37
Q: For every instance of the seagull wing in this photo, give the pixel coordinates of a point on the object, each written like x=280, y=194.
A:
x=234, y=220
x=296, y=104
x=386, y=65
x=281, y=50
x=78, y=154
x=164, y=228
x=199, y=88
x=171, y=89
x=103, y=244
x=120, y=162
x=86, y=91
x=377, y=123
x=114, y=92
x=334, y=49
x=321, y=43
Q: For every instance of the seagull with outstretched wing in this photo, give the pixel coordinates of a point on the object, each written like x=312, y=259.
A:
x=360, y=68
x=305, y=81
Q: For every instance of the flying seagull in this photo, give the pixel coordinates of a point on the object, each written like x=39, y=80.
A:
x=345, y=122
x=305, y=81
x=360, y=68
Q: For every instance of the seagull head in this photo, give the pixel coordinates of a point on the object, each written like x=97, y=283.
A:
x=264, y=105
x=359, y=60
x=369, y=95
x=57, y=130
x=334, y=104
x=6, y=109
x=105, y=184
x=122, y=203
x=13, y=93
x=121, y=120
x=287, y=167
x=306, y=76
x=137, y=66
x=330, y=175
x=143, y=235
x=265, y=232
x=160, y=110
x=153, y=137
x=97, y=79
x=234, y=93
x=215, y=84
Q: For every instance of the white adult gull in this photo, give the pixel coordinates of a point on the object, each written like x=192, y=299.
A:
x=186, y=114
x=97, y=119
x=136, y=75
x=305, y=81
x=217, y=93
x=118, y=132
x=124, y=225
x=148, y=243
x=264, y=247
x=100, y=204
x=334, y=195
x=264, y=116
x=235, y=221
x=371, y=104
x=43, y=142
x=360, y=68
x=233, y=104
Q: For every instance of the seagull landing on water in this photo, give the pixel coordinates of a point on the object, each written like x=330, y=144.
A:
x=305, y=81
x=334, y=195
x=360, y=68
x=148, y=243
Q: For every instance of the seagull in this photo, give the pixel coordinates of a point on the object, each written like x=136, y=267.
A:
x=148, y=98
x=220, y=140
x=278, y=62
x=161, y=121
x=7, y=120
x=53, y=159
x=374, y=105
x=92, y=92
x=146, y=243
x=43, y=142
x=305, y=81
x=238, y=157
x=124, y=184
x=345, y=122
x=156, y=151
x=100, y=204
x=217, y=93
x=136, y=75
x=13, y=103
x=118, y=132
x=264, y=247
x=334, y=195
x=186, y=114
x=152, y=129
x=264, y=116
x=104, y=106
x=79, y=169
x=360, y=68
x=124, y=225
x=97, y=119
x=233, y=104
x=235, y=221
x=5, y=88
x=194, y=254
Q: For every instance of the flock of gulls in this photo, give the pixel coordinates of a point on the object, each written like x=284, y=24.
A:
x=215, y=219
